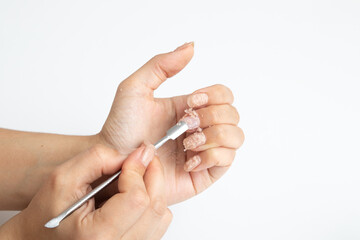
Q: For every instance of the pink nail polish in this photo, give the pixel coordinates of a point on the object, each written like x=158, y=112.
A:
x=185, y=45
x=148, y=154
x=192, y=163
x=191, y=118
x=197, y=100
x=194, y=140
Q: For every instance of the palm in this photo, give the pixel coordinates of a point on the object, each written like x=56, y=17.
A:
x=134, y=119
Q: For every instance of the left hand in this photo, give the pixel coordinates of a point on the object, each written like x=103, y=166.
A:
x=138, y=211
x=137, y=116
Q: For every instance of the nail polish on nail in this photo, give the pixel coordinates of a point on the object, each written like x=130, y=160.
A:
x=191, y=118
x=194, y=140
x=185, y=45
x=192, y=163
x=148, y=154
x=197, y=100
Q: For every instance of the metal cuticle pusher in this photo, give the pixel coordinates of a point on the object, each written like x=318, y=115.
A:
x=172, y=133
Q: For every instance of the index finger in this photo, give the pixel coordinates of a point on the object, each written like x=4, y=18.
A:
x=213, y=95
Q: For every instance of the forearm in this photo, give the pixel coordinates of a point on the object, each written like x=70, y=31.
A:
x=27, y=158
x=12, y=230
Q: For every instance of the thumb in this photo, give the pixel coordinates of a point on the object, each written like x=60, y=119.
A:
x=159, y=68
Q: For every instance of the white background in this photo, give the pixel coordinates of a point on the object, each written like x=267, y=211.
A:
x=294, y=68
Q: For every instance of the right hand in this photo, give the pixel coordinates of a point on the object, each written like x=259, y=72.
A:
x=138, y=211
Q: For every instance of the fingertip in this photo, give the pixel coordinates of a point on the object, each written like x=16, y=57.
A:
x=169, y=64
x=162, y=66
x=138, y=161
x=242, y=137
x=217, y=94
x=184, y=46
x=186, y=54
x=192, y=163
x=197, y=100
x=135, y=156
x=148, y=153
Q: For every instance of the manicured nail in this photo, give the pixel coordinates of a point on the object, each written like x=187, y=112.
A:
x=197, y=100
x=194, y=140
x=148, y=154
x=185, y=45
x=192, y=163
x=191, y=118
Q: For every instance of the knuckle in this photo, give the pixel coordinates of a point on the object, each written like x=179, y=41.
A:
x=235, y=113
x=102, y=152
x=129, y=173
x=214, y=115
x=139, y=199
x=222, y=156
x=219, y=161
x=220, y=134
x=98, y=150
x=220, y=87
x=230, y=95
x=159, y=207
x=215, y=155
x=156, y=58
x=232, y=155
x=225, y=92
x=240, y=138
x=229, y=158
x=120, y=88
x=158, y=68
x=168, y=216
x=57, y=178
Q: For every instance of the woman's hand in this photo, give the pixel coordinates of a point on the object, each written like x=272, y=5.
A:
x=137, y=116
x=138, y=211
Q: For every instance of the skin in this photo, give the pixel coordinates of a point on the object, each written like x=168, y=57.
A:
x=138, y=211
x=27, y=159
x=137, y=116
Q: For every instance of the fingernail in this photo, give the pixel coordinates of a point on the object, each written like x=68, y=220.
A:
x=192, y=163
x=185, y=45
x=197, y=100
x=191, y=118
x=148, y=154
x=194, y=140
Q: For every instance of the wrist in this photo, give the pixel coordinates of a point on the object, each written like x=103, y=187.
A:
x=115, y=140
x=91, y=140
